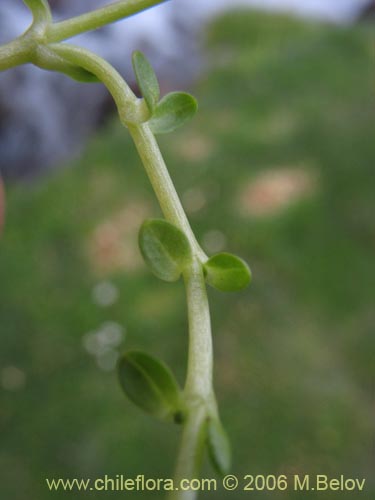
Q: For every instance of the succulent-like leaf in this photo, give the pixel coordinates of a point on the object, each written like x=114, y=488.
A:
x=165, y=248
x=173, y=111
x=150, y=384
x=227, y=272
x=48, y=59
x=147, y=81
x=218, y=446
x=78, y=74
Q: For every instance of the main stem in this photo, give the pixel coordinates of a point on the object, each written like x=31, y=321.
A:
x=198, y=391
x=199, y=377
x=161, y=182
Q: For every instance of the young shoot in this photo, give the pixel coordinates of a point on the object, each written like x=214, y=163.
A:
x=168, y=245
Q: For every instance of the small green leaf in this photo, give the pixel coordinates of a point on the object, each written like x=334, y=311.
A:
x=173, y=111
x=79, y=74
x=227, y=272
x=48, y=59
x=150, y=384
x=147, y=81
x=165, y=248
x=218, y=446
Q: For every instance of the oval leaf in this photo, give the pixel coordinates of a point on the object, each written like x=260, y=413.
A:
x=147, y=81
x=165, y=248
x=150, y=384
x=218, y=446
x=173, y=111
x=227, y=272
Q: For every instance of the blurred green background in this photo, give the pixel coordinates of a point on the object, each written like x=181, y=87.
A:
x=278, y=167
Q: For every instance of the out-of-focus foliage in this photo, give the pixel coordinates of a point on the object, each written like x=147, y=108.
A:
x=278, y=168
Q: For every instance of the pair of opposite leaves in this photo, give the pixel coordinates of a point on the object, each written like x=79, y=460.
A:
x=167, y=252
x=169, y=113
x=165, y=115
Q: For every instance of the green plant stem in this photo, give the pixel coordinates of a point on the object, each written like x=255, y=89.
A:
x=133, y=113
x=97, y=18
x=190, y=453
x=129, y=107
x=161, y=181
x=15, y=53
x=40, y=10
x=199, y=374
x=21, y=50
x=198, y=388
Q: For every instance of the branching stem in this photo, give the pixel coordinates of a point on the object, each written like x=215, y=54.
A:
x=97, y=18
x=134, y=114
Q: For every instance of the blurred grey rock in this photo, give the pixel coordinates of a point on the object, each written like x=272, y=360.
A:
x=45, y=118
